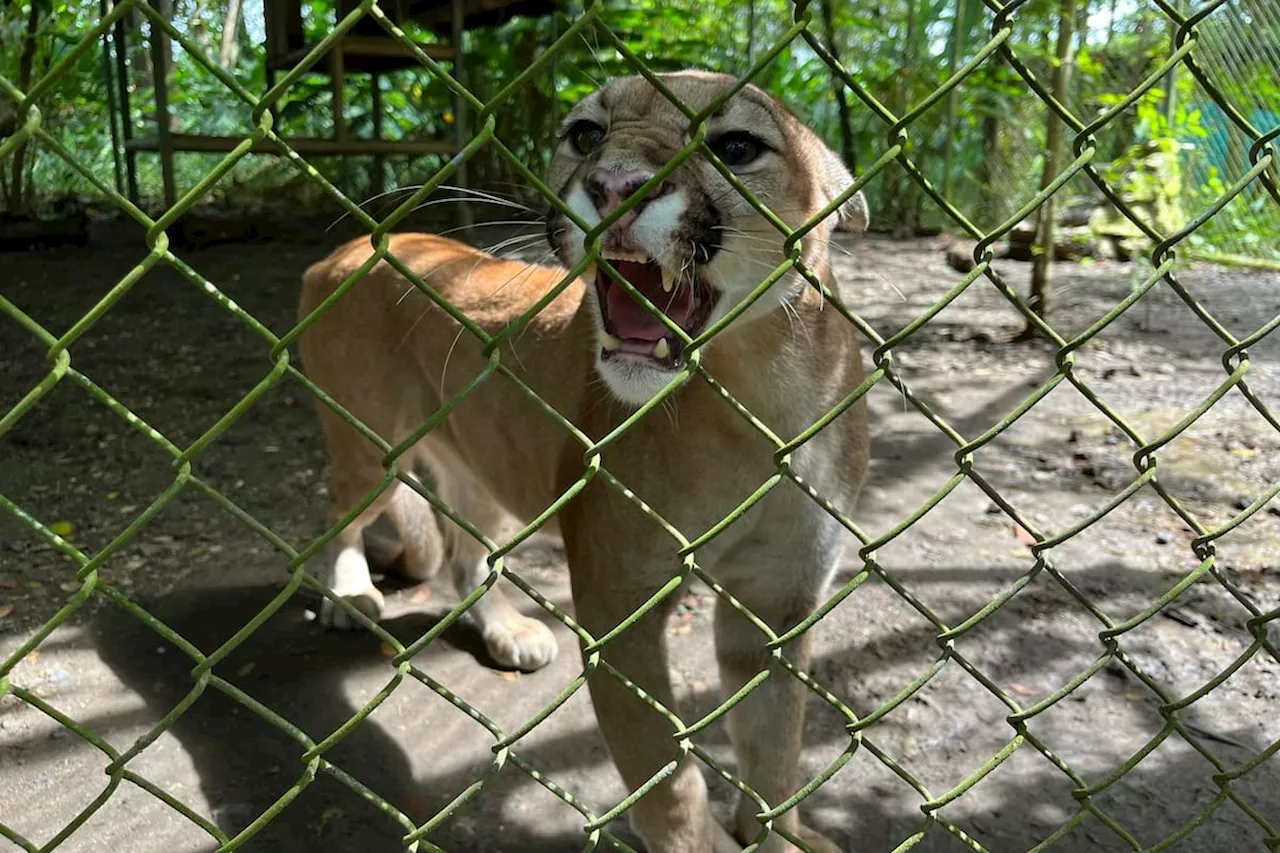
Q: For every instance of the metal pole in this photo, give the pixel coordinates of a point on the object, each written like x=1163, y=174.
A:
x=379, y=162
x=160, y=73
x=104, y=9
x=460, y=121
x=126, y=110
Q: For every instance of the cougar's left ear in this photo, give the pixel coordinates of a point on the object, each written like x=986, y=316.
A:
x=853, y=215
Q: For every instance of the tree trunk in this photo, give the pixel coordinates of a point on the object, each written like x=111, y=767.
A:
x=949, y=140
x=847, y=151
x=1042, y=265
x=1171, y=79
x=991, y=208
x=899, y=204
x=1082, y=24
x=230, y=51
x=17, y=201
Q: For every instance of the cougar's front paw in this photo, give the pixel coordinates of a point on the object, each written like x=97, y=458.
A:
x=775, y=843
x=368, y=601
x=521, y=643
x=817, y=842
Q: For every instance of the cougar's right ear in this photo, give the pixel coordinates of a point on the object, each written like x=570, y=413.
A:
x=854, y=214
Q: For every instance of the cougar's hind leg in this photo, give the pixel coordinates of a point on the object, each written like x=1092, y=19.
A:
x=415, y=522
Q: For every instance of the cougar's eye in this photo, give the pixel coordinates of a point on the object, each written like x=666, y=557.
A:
x=586, y=136
x=737, y=148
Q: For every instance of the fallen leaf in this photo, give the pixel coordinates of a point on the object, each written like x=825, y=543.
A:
x=510, y=676
x=1023, y=690
x=387, y=650
x=418, y=806
x=1022, y=535
x=244, y=670
x=112, y=495
x=5, y=610
x=62, y=528
x=8, y=583
x=329, y=815
x=69, y=586
x=420, y=595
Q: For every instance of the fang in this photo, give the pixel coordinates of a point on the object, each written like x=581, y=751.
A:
x=661, y=349
x=668, y=280
x=609, y=343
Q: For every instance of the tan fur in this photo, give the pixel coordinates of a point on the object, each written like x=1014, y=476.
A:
x=387, y=353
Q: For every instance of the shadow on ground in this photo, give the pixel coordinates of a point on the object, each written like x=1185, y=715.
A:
x=308, y=676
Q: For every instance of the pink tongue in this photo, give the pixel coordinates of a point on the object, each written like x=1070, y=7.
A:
x=629, y=318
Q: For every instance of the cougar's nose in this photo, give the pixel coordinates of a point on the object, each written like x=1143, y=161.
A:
x=607, y=190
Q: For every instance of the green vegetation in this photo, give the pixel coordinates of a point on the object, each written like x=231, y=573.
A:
x=1171, y=153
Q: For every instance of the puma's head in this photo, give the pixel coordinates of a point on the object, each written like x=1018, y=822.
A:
x=694, y=246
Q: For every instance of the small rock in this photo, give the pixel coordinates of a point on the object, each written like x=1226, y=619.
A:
x=58, y=676
x=1164, y=537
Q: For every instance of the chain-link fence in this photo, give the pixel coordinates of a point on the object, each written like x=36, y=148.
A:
x=314, y=755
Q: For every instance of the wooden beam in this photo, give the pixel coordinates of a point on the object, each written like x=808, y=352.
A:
x=365, y=47
x=376, y=46
x=302, y=145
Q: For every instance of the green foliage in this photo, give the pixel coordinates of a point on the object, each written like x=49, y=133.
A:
x=1149, y=175
x=900, y=49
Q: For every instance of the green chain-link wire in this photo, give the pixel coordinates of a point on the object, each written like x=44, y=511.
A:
x=277, y=364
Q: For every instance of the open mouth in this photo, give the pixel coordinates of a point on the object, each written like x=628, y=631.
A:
x=631, y=332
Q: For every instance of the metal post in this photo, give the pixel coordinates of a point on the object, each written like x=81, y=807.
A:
x=274, y=109
x=104, y=8
x=337, y=81
x=460, y=121
x=126, y=110
x=160, y=73
x=379, y=161
x=336, y=74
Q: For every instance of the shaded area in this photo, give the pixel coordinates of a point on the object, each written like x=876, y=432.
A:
x=173, y=356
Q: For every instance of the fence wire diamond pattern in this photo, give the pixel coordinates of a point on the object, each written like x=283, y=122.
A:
x=312, y=757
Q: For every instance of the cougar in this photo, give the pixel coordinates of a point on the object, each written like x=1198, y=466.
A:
x=695, y=248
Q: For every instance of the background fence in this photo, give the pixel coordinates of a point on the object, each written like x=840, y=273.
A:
x=894, y=158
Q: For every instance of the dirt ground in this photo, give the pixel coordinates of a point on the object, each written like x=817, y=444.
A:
x=178, y=360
